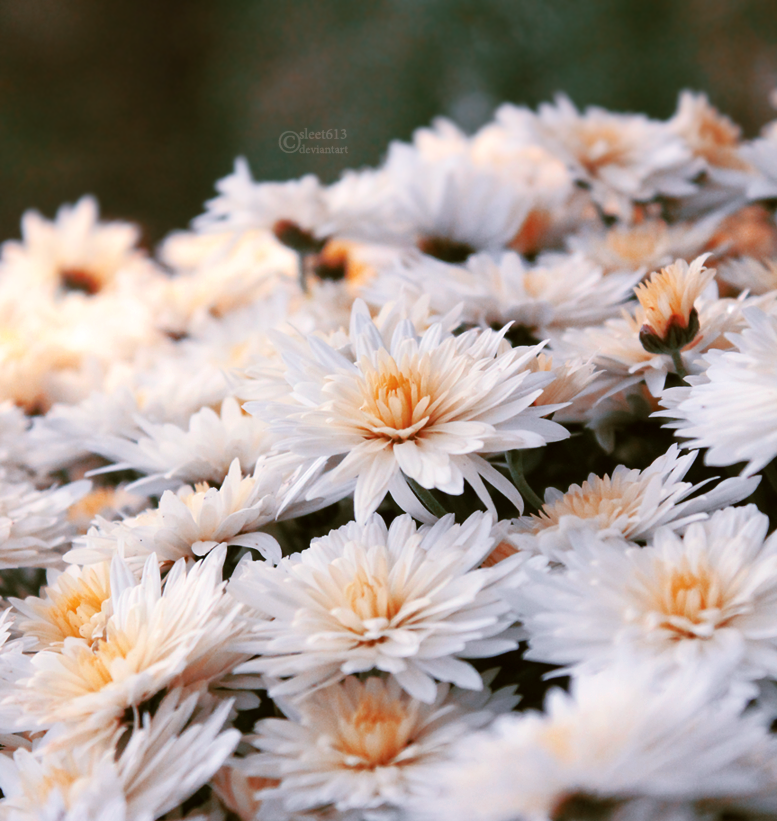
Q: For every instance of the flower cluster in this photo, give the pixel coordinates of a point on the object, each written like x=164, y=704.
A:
x=363, y=501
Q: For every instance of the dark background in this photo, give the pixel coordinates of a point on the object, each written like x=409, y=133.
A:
x=145, y=103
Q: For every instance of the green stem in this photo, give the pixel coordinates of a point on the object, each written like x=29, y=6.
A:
x=515, y=466
x=427, y=499
x=679, y=367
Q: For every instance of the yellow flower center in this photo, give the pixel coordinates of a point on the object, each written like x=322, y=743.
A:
x=601, y=144
x=636, y=243
x=397, y=403
x=602, y=498
x=73, y=605
x=378, y=730
x=370, y=597
x=688, y=597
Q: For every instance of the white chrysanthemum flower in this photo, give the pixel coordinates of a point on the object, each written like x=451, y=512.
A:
x=617, y=735
x=632, y=504
x=128, y=775
x=107, y=502
x=34, y=524
x=446, y=207
x=711, y=135
x=75, y=253
x=622, y=157
x=75, y=603
x=672, y=317
x=706, y=598
x=757, y=276
x=60, y=351
x=422, y=406
x=558, y=292
x=182, y=636
x=190, y=523
x=729, y=409
x=245, y=205
x=406, y=601
x=364, y=745
x=172, y=456
x=644, y=246
x=667, y=301
x=220, y=273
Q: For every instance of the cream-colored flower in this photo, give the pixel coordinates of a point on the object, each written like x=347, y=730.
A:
x=729, y=408
x=703, y=602
x=172, y=456
x=616, y=735
x=618, y=347
x=128, y=774
x=182, y=636
x=75, y=253
x=557, y=292
x=622, y=157
x=670, y=320
x=405, y=601
x=34, y=526
x=190, y=523
x=632, y=503
x=364, y=745
x=711, y=135
x=647, y=245
x=396, y=404
x=77, y=603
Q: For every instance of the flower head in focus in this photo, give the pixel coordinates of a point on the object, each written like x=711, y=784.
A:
x=401, y=600
x=422, y=406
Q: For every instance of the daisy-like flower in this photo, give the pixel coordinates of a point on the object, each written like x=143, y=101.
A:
x=220, y=273
x=127, y=775
x=757, y=276
x=190, y=523
x=171, y=456
x=639, y=346
x=75, y=253
x=76, y=603
x=667, y=299
x=748, y=232
x=573, y=387
x=364, y=745
x=446, y=207
x=286, y=208
x=631, y=503
x=418, y=406
x=622, y=157
x=34, y=524
x=706, y=599
x=729, y=408
x=647, y=245
x=105, y=501
x=558, y=292
x=405, y=601
x=711, y=135
x=616, y=736
x=182, y=636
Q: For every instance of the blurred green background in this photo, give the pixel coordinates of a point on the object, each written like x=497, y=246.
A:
x=146, y=103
